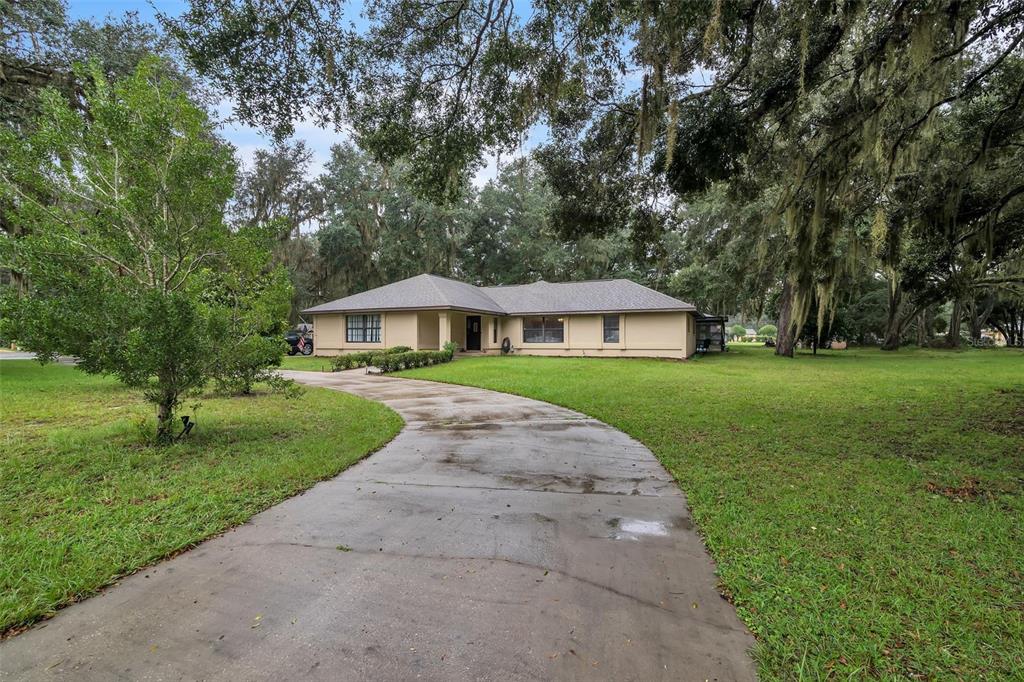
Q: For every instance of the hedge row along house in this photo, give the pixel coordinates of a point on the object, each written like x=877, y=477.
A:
x=607, y=318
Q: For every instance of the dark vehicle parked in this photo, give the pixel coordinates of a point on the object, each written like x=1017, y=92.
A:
x=299, y=343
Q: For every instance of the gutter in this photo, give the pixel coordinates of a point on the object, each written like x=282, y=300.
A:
x=312, y=311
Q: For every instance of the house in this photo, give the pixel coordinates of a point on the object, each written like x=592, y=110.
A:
x=611, y=318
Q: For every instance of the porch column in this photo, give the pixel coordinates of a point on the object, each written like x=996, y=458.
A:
x=444, y=330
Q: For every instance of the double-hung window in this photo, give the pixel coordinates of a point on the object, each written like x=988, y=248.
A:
x=362, y=328
x=543, y=330
x=611, y=328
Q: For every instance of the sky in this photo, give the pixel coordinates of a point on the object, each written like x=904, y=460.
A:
x=245, y=138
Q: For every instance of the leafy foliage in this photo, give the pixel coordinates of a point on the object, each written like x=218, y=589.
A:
x=823, y=113
x=134, y=270
x=394, y=358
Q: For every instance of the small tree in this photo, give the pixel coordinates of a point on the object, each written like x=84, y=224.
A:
x=254, y=305
x=768, y=330
x=738, y=331
x=132, y=266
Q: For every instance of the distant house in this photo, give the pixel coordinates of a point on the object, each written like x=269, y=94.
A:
x=750, y=332
x=610, y=318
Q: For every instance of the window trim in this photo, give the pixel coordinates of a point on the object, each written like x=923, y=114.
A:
x=544, y=330
x=365, y=326
x=605, y=329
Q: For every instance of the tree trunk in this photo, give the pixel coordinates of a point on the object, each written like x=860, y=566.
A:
x=894, y=321
x=1010, y=324
x=924, y=325
x=786, y=341
x=165, y=417
x=979, y=314
x=953, y=333
x=19, y=282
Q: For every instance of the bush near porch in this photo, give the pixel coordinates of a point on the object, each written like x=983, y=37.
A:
x=394, y=359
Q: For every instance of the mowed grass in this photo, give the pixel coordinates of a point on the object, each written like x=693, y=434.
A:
x=306, y=363
x=865, y=509
x=84, y=497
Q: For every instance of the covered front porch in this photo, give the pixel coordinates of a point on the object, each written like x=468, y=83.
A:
x=468, y=331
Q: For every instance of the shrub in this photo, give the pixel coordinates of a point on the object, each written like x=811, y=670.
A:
x=352, y=360
x=394, y=359
x=768, y=330
x=247, y=362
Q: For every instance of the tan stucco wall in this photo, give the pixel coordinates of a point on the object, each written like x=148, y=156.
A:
x=429, y=331
x=487, y=340
x=691, y=334
x=458, y=322
x=328, y=334
x=400, y=330
x=640, y=334
x=649, y=331
x=396, y=329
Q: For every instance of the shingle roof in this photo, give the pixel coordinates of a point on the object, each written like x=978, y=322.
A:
x=597, y=296
x=421, y=292
x=425, y=292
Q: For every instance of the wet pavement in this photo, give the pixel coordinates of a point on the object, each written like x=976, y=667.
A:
x=495, y=538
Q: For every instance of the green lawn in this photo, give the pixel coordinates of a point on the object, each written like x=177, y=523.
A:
x=865, y=508
x=84, y=499
x=306, y=363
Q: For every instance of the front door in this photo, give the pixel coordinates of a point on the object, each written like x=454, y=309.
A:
x=472, y=332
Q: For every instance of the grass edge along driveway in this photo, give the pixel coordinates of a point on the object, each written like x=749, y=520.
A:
x=84, y=499
x=864, y=508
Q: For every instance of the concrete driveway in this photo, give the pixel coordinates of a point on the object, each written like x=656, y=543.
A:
x=496, y=538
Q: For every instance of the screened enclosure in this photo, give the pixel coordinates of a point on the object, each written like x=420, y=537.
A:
x=710, y=333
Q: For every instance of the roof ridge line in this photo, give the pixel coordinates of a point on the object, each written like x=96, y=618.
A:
x=439, y=292
x=478, y=290
x=573, y=281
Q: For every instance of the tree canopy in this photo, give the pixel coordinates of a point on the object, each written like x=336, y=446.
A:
x=822, y=113
x=133, y=268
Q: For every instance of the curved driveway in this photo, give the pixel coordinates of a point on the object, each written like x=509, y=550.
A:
x=495, y=538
